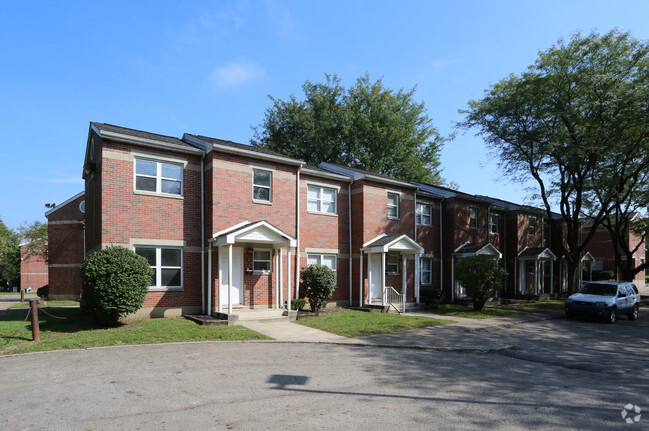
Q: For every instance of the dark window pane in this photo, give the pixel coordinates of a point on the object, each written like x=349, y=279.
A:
x=170, y=257
x=170, y=278
x=172, y=171
x=145, y=167
x=262, y=178
x=147, y=253
x=171, y=187
x=262, y=194
x=144, y=183
x=154, y=278
x=261, y=266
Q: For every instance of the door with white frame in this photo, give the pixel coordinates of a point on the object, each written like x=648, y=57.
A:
x=375, y=272
x=237, y=276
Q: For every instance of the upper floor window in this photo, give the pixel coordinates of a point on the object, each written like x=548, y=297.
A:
x=328, y=260
x=262, y=185
x=473, y=218
x=423, y=214
x=321, y=199
x=392, y=264
x=158, y=177
x=531, y=227
x=261, y=261
x=494, y=222
x=393, y=205
x=166, y=263
x=426, y=270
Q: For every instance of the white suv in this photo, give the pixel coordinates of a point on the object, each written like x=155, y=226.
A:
x=606, y=299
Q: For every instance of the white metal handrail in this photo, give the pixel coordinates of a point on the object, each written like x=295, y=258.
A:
x=394, y=298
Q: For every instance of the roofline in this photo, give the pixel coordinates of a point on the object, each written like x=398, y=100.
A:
x=64, y=203
x=249, y=153
x=130, y=139
x=331, y=175
x=344, y=170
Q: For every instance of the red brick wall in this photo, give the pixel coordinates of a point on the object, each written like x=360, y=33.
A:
x=33, y=272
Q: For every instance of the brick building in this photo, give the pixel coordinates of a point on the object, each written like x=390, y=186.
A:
x=33, y=271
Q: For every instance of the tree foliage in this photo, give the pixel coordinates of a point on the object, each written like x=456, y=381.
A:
x=366, y=126
x=34, y=238
x=115, y=283
x=9, y=254
x=318, y=284
x=577, y=124
x=481, y=276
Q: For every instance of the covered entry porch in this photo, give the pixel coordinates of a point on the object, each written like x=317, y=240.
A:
x=465, y=250
x=250, y=268
x=532, y=265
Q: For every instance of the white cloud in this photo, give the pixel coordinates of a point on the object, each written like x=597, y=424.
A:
x=437, y=64
x=235, y=73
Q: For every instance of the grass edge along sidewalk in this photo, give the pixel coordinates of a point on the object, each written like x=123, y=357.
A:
x=77, y=331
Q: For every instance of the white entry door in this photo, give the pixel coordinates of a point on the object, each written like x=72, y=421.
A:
x=375, y=276
x=237, y=276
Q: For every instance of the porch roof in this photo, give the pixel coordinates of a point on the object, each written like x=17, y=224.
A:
x=386, y=243
x=472, y=249
x=588, y=258
x=259, y=232
x=536, y=253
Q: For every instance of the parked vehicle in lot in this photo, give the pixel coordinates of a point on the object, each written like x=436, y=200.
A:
x=606, y=299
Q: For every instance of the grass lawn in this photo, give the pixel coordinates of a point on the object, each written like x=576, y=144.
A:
x=454, y=310
x=33, y=292
x=538, y=305
x=78, y=331
x=47, y=304
x=351, y=323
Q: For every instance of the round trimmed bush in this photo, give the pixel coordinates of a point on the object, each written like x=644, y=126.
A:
x=318, y=284
x=115, y=283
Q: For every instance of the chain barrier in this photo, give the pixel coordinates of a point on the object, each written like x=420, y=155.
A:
x=42, y=310
x=29, y=310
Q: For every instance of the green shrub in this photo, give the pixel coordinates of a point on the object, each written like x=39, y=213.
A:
x=298, y=304
x=481, y=276
x=318, y=284
x=115, y=282
x=602, y=275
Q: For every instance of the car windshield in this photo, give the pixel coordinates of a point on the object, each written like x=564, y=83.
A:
x=599, y=289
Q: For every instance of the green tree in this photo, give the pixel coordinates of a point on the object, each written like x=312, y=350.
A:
x=578, y=110
x=34, y=238
x=318, y=284
x=9, y=255
x=481, y=276
x=366, y=126
x=115, y=283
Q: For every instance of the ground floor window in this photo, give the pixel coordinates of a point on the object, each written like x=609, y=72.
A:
x=328, y=260
x=392, y=264
x=261, y=261
x=426, y=270
x=166, y=263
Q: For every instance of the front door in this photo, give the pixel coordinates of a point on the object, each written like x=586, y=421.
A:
x=375, y=276
x=237, y=276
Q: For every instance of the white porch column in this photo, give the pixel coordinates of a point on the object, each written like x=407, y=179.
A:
x=229, y=278
x=288, y=274
x=551, y=277
x=382, y=278
x=276, y=287
x=417, y=258
x=404, y=276
x=281, y=281
x=209, y=280
x=515, y=276
x=360, y=281
x=536, y=277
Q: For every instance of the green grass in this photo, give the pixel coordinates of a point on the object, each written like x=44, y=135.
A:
x=47, y=304
x=350, y=323
x=538, y=305
x=78, y=331
x=454, y=310
x=33, y=292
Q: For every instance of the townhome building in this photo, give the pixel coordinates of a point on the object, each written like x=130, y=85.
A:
x=34, y=272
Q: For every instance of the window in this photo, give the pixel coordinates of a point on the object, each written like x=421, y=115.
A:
x=321, y=199
x=262, y=185
x=426, y=270
x=392, y=264
x=261, y=261
x=423, y=214
x=494, y=222
x=531, y=228
x=158, y=177
x=328, y=260
x=166, y=263
x=393, y=205
x=473, y=218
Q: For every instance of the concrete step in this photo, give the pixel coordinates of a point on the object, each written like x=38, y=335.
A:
x=206, y=320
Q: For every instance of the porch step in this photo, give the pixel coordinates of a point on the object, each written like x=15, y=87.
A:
x=203, y=319
x=411, y=307
x=243, y=316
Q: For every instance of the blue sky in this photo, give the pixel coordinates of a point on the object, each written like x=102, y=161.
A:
x=207, y=67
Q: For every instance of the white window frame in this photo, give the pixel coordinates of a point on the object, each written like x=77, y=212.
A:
x=388, y=264
x=269, y=261
x=429, y=271
x=270, y=187
x=532, y=224
x=420, y=215
x=393, y=206
x=158, y=266
x=158, y=177
x=494, y=221
x=320, y=199
x=473, y=220
x=320, y=257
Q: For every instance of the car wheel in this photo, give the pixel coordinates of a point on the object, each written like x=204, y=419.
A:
x=611, y=316
x=633, y=315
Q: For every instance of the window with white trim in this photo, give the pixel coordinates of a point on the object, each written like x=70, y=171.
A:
x=392, y=264
x=262, y=185
x=473, y=217
x=158, y=177
x=423, y=214
x=494, y=222
x=426, y=270
x=393, y=205
x=166, y=263
x=321, y=199
x=261, y=261
x=531, y=227
x=328, y=260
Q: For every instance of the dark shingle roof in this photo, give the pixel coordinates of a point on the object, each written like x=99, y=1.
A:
x=472, y=247
x=383, y=240
x=532, y=251
x=244, y=147
x=164, y=141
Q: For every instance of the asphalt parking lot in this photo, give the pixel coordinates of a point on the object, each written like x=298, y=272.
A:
x=557, y=375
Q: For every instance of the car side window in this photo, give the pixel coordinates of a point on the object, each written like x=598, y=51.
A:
x=635, y=289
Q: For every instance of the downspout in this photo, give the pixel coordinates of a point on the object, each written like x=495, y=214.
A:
x=505, y=247
x=441, y=248
x=203, y=234
x=415, y=278
x=297, y=241
x=349, y=222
